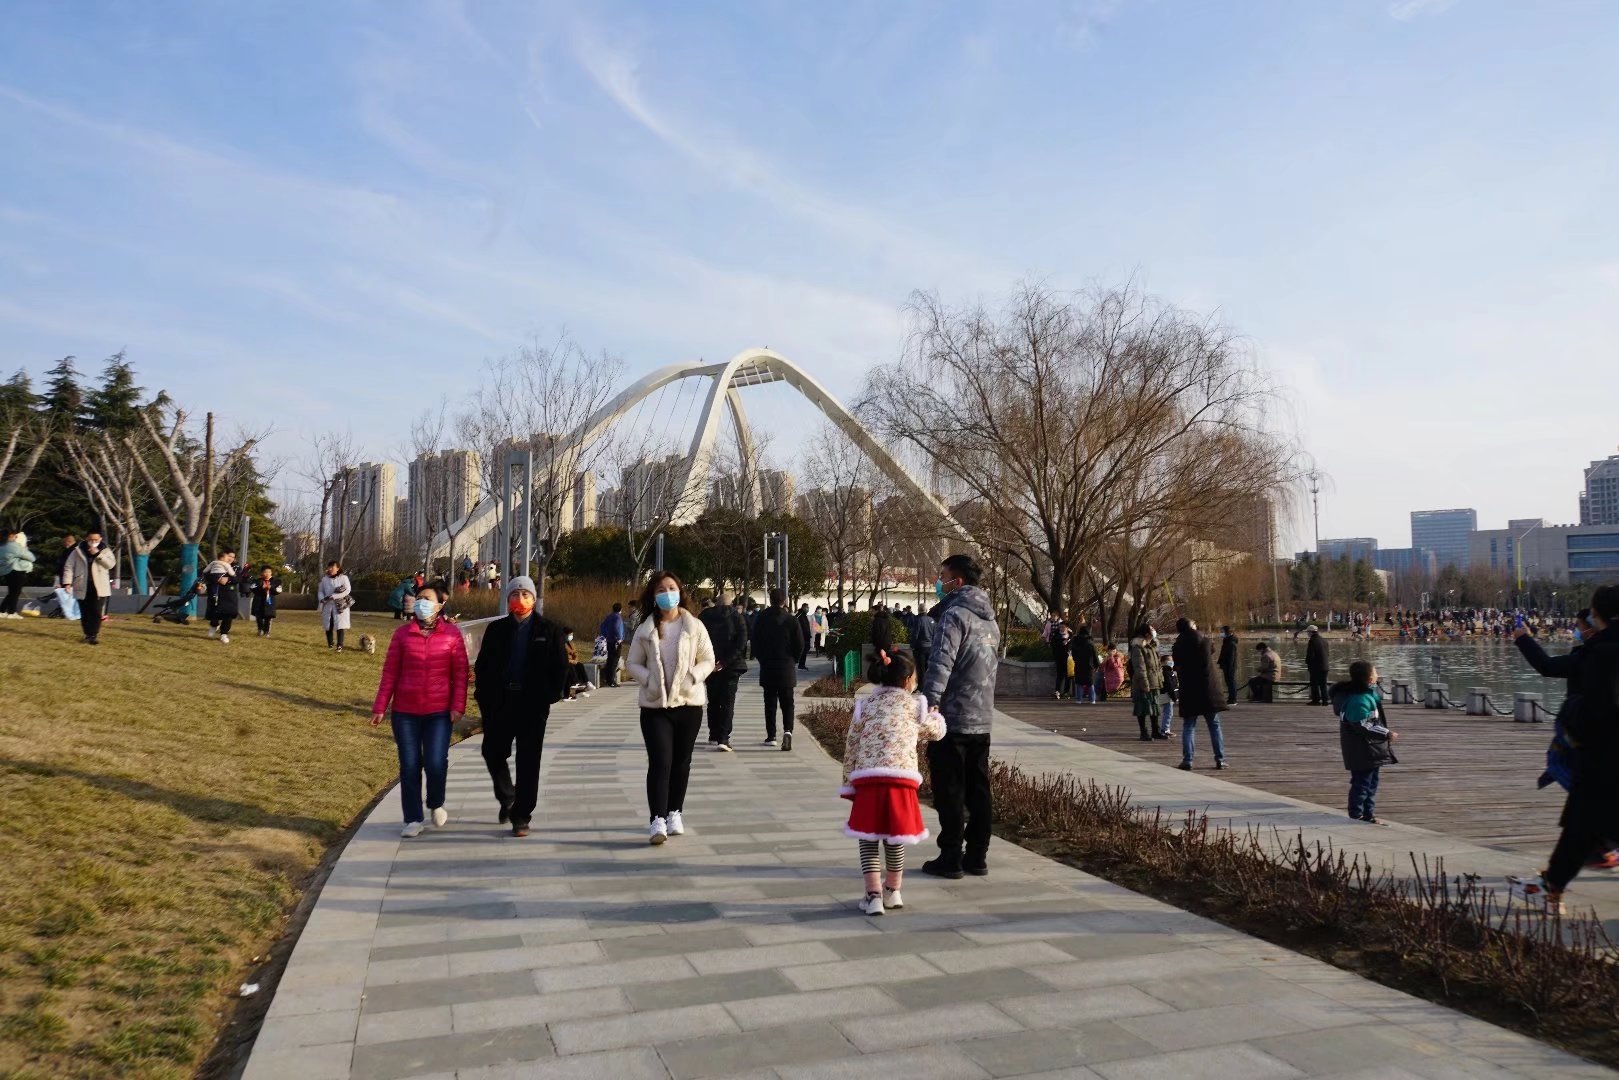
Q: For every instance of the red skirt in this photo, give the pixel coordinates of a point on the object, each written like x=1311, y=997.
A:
x=886, y=809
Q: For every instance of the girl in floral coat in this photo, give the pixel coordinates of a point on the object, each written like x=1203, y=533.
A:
x=880, y=775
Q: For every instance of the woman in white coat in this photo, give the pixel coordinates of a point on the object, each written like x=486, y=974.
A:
x=670, y=657
x=336, y=596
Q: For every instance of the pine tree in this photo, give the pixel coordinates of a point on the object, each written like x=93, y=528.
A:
x=115, y=404
x=64, y=398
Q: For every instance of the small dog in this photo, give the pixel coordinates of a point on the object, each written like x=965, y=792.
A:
x=368, y=644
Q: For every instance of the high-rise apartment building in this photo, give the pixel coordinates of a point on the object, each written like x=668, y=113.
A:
x=444, y=488
x=363, y=506
x=1599, y=502
x=1445, y=533
x=776, y=490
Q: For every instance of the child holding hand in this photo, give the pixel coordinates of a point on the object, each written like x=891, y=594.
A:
x=880, y=776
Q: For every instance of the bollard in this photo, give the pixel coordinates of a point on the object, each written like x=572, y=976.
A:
x=1526, y=707
x=1476, y=705
x=1400, y=693
x=1435, y=696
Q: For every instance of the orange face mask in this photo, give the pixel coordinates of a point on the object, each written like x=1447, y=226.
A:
x=520, y=605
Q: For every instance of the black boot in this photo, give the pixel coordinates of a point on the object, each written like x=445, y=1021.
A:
x=945, y=867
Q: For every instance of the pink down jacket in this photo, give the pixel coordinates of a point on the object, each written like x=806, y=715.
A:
x=424, y=672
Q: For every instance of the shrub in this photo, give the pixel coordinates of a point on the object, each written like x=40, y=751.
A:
x=855, y=631
x=831, y=686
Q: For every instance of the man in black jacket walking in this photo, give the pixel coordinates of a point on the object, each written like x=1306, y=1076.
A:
x=1228, y=664
x=728, y=630
x=777, y=644
x=522, y=668
x=1200, y=691
x=1315, y=660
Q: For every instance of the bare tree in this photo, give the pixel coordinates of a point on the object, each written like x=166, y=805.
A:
x=106, y=468
x=838, y=502
x=24, y=436
x=330, y=466
x=1044, y=409
x=651, y=490
x=541, y=398
x=439, y=491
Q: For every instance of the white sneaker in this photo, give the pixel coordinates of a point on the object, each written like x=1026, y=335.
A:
x=224, y=639
x=213, y=631
x=722, y=748
x=659, y=832
x=768, y=742
x=892, y=898
x=677, y=826
x=440, y=817
x=412, y=830
x=1533, y=893
x=872, y=904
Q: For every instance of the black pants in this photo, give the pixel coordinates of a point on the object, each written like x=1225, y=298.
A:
x=610, y=668
x=14, y=581
x=90, y=610
x=722, y=706
x=959, y=765
x=522, y=726
x=224, y=622
x=1590, y=820
x=1318, y=688
x=339, y=638
x=670, y=735
x=1261, y=690
x=774, y=696
x=1230, y=674
x=803, y=656
x=264, y=626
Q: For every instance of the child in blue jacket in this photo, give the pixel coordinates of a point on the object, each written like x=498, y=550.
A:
x=1364, y=739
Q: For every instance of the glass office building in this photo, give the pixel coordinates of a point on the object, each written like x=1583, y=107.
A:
x=1445, y=533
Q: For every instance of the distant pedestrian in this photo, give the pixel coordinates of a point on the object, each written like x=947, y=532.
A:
x=1145, y=680
x=881, y=777
x=1112, y=671
x=1262, y=687
x=1228, y=663
x=671, y=657
x=85, y=575
x=424, y=681
x=1364, y=738
x=776, y=645
x=1086, y=665
x=334, y=596
x=961, y=686
x=265, y=589
x=1058, y=638
x=926, y=628
x=612, y=635
x=16, y=563
x=882, y=630
x=806, y=634
x=1168, y=695
x=521, y=672
x=728, y=635
x=219, y=581
x=1200, y=692
x=1315, y=662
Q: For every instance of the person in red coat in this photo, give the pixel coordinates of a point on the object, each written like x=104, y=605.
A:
x=425, y=679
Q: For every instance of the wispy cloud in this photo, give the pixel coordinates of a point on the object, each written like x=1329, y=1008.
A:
x=1082, y=22
x=1406, y=10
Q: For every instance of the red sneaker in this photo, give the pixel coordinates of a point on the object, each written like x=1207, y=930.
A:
x=1608, y=860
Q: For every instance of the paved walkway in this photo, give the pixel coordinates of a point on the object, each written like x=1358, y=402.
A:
x=736, y=951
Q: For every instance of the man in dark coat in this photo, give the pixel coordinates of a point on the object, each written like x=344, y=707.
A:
x=1058, y=639
x=1228, y=663
x=1200, y=691
x=807, y=633
x=1315, y=660
x=882, y=630
x=1083, y=650
x=924, y=628
x=777, y=644
x=728, y=631
x=522, y=668
x=612, y=632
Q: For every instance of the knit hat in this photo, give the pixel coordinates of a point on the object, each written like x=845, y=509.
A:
x=1313, y=629
x=521, y=582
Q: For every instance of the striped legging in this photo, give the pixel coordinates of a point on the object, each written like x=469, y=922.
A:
x=893, y=859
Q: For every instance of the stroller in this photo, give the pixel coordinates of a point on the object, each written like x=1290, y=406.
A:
x=172, y=609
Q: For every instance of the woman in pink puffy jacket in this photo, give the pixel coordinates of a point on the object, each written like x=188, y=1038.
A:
x=425, y=679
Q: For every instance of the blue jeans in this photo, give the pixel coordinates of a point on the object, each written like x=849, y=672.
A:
x=1189, y=733
x=1166, y=715
x=423, y=740
x=1084, y=691
x=1363, y=794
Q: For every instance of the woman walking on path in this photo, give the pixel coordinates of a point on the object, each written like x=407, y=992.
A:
x=336, y=596
x=266, y=587
x=16, y=561
x=777, y=642
x=424, y=677
x=880, y=776
x=670, y=656
x=1145, y=680
x=85, y=576
x=219, y=578
x=1083, y=651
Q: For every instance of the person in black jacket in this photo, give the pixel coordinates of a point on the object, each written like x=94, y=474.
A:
x=1200, y=694
x=1083, y=651
x=1228, y=664
x=923, y=629
x=1315, y=661
x=1059, y=639
x=806, y=634
x=776, y=646
x=882, y=630
x=728, y=630
x=264, y=589
x=522, y=668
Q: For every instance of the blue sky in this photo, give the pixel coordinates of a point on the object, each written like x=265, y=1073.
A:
x=327, y=215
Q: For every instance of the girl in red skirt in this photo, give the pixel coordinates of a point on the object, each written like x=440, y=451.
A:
x=880, y=775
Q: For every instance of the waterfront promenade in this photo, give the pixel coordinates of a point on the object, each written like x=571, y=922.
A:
x=736, y=950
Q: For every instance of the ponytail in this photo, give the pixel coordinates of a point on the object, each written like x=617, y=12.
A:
x=890, y=669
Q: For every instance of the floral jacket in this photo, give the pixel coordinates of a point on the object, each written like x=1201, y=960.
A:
x=883, y=736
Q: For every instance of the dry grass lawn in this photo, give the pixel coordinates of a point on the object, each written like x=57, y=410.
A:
x=165, y=799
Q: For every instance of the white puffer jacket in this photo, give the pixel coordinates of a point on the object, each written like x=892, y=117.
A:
x=695, y=663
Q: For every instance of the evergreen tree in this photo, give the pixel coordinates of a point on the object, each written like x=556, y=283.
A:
x=115, y=405
x=64, y=398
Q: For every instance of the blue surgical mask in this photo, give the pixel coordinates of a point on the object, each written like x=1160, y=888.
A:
x=1578, y=636
x=667, y=601
x=938, y=588
x=424, y=609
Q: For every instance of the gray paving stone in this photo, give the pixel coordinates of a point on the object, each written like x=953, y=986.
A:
x=1081, y=974
x=329, y=1062
x=983, y=957
x=642, y=1028
x=641, y=1064
x=926, y=1027
x=397, y=1060
x=929, y=1063
x=617, y=973
x=1071, y=1008
x=542, y=1009
x=709, y=988
x=774, y=1047
x=1208, y=1027
x=896, y=943
x=449, y=991
x=1322, y=1052
x=673, y=944
x=527, y=958
x=726, y=961
x=816, y=1005
x=953, y=989
x=403, y=1024
x=883, y=969
x=1226, y=988
x=444, y=948
x=291, y=1032
x=1028, y=1052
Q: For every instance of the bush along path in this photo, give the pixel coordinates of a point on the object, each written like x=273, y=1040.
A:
x=1442, y=938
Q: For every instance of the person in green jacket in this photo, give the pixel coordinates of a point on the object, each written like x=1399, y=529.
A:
x=16, y=562
x=1145, y=679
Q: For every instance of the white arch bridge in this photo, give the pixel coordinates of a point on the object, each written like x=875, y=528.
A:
x=751, y=367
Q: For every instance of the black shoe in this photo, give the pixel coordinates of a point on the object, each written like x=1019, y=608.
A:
x=1161, y=735
x=786, y=740
x=505, y=814
x=976, y=867
x=1146, y=738
x=1185, y=766
x=941, y=868
x=519, y=828
x=1221, y=765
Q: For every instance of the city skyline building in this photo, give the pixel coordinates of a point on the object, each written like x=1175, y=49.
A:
x=1599, y=502
x=1445, y=533
x=364, y=506
x=445, y=485
x=1358, y=548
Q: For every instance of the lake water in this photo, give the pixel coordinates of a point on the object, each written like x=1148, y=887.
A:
x=1497, y=665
